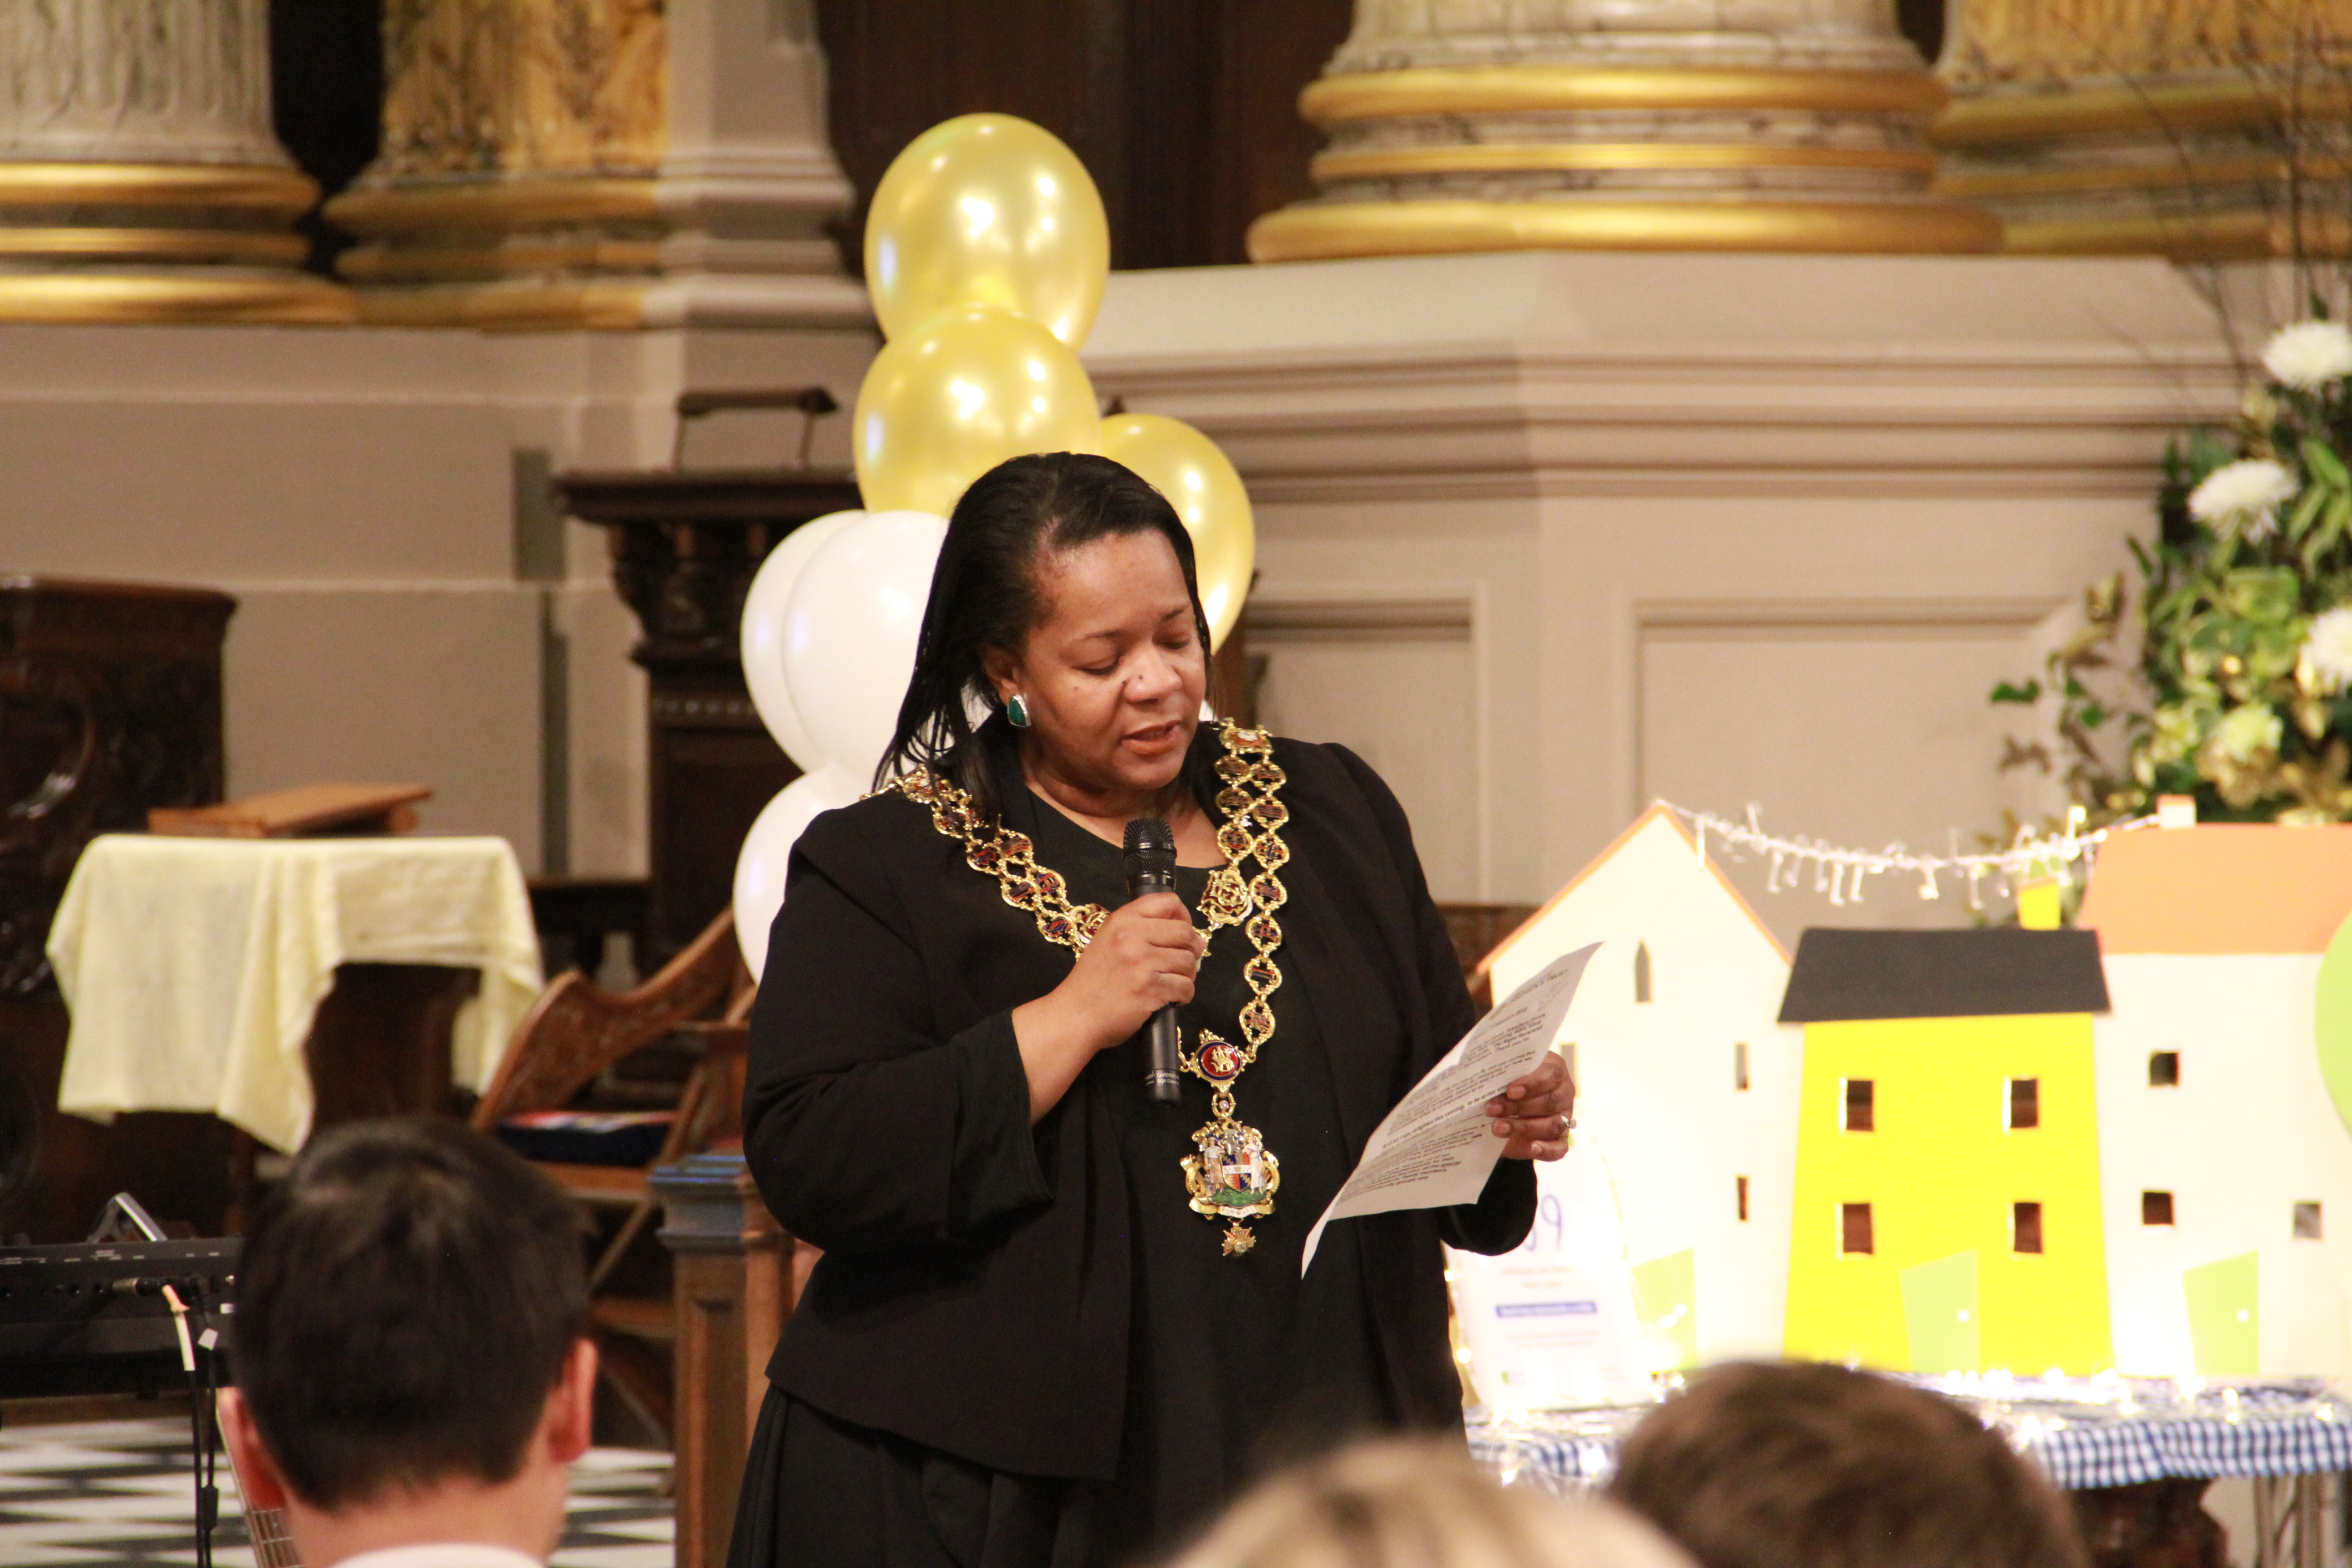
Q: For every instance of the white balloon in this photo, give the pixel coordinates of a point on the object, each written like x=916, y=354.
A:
x=764, y=632
x=768, y=851
x=850, y=628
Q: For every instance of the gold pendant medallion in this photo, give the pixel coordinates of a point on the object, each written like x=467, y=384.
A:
x=1234, y=1174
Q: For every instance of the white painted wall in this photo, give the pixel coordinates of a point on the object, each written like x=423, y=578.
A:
x=356, y=490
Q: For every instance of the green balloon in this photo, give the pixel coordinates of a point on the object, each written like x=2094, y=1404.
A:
x=2331, y=1020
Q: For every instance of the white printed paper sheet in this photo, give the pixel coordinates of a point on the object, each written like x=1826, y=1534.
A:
x=1436, y=1148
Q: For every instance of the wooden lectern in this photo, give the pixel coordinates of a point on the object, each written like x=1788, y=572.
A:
x=684, y=546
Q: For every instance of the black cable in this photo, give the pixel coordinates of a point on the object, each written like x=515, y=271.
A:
x=202, y=1380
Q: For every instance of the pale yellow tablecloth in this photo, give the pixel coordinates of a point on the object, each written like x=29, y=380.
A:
x=194, y=966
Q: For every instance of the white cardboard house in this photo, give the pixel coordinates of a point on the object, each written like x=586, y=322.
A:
x=1687, y=1091
x=2225, y=1168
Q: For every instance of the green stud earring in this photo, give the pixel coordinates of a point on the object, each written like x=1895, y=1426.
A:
x=1016, y=712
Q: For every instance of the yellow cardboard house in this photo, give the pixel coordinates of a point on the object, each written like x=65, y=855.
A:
x=1947, y=1199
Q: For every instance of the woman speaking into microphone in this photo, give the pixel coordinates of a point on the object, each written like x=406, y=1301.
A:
x=1056, y=1322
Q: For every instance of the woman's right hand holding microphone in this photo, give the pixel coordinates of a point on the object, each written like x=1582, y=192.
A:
x=1142, y=959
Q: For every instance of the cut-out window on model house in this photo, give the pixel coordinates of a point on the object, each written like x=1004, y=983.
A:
x=2164, y=1069
x=2156, y=1208
x=1641, y=972
x=1740, y=1065
x=2025, y=1104
x=1853, y=1228
x=1859, y=1110
x=2025, y=1227
x=2307, y=1222
x=1743, y=1197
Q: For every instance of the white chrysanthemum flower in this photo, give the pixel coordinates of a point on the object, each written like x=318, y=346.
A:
x=2244, y=495
x=2248, y=729
x=2309, y=355
x=2328, y=649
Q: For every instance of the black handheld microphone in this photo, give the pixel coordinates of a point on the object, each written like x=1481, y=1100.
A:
x=1152, y=869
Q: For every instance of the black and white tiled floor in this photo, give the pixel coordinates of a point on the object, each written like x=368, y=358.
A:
x=116, y=1494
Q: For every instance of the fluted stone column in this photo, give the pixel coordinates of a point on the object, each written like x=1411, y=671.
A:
x=601, y=164
x=1648, y=124
x=2217, y=130
x=140, y=180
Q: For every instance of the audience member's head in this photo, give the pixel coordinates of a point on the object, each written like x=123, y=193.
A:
x=409, y=1345
x=1408, y=1504
x=1803, y=1466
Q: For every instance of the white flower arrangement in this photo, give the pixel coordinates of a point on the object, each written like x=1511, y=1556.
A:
x=2244, y=495
x=2250, y=729
x=2328, y=649
x=2309, y=355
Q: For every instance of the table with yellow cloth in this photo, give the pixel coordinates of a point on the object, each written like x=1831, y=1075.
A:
x=194, y=966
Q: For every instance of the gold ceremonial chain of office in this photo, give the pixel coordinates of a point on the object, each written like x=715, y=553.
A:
x=1232, y=1176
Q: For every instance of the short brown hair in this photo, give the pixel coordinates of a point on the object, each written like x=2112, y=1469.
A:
x=406, y=1301
x=1801, y=1466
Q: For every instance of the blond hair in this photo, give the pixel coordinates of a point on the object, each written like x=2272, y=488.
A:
x=1420, y=1504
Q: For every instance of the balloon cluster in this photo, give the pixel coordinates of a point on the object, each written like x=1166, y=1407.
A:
x=986, y=252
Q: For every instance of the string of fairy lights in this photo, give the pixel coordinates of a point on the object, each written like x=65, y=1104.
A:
x=1844, y=873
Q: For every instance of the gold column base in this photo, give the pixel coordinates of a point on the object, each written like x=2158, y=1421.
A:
x=159, y=243
x=1316, y=232
x=1421, y=91
x=538, y=253
x=1824, y=158
x=126, y=299
x=553, y=306
x=2193, y=170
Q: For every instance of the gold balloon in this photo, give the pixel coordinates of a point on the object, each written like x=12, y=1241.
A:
x=945, y=403
x=986, y=209
x=1186, y=467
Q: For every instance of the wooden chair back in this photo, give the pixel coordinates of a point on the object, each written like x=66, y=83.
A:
x=577, y=1028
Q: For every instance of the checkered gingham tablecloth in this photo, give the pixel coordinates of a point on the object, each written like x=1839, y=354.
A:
x=2082, y=1434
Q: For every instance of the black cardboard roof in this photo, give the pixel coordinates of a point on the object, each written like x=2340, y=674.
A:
x=1851, y=974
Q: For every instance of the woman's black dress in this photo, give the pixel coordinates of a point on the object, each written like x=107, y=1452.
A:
x=1224, y=1364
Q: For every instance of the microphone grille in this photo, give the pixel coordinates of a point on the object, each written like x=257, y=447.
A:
x=1151, y=836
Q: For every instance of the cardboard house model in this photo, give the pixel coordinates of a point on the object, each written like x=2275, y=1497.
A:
x=2227, y=1167
x=1948, y=1213
x=1687, y=1088
x=2121, y=1146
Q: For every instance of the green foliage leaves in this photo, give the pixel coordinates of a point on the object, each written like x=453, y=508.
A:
x=2225, y=703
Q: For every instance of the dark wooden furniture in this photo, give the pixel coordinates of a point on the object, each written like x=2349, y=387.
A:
x=574, y=915
x=684, y=548
x=110, y=706
x=736, y=1283
x=575, y=1034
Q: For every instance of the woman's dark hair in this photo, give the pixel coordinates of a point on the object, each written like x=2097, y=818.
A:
x=985, y=594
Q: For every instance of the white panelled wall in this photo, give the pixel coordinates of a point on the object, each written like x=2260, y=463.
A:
x=1548, y=535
